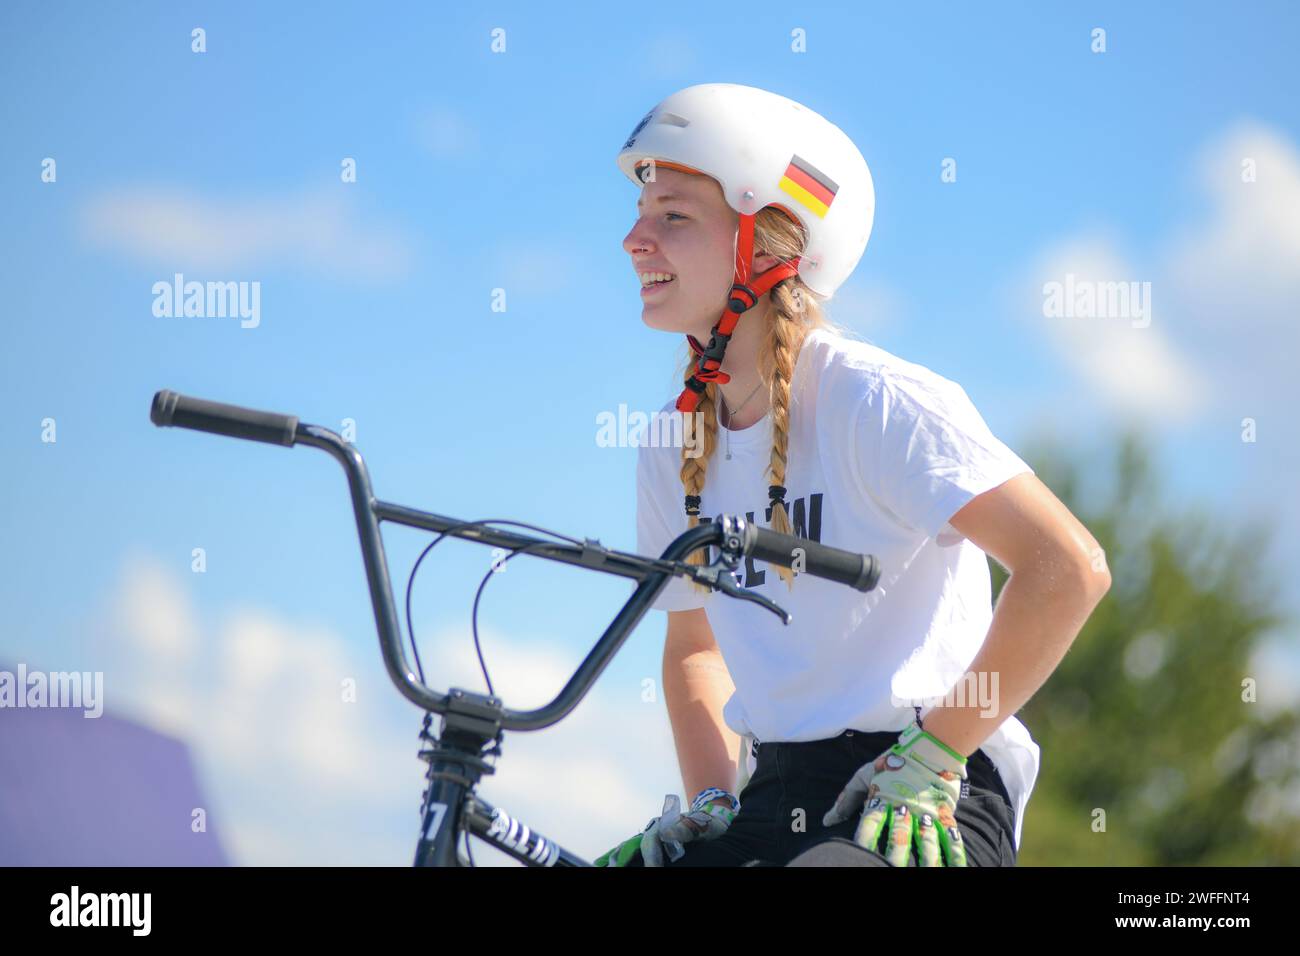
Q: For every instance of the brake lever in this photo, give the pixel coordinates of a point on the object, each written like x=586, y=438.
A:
x=722, y=578
x=736, y=591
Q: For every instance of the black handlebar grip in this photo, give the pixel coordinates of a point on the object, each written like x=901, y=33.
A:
x=181, y=411
x=858, y=571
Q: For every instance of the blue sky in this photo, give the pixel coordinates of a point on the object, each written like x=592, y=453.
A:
x=479, y=170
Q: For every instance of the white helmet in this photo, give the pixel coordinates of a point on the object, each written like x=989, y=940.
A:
x=767, y=150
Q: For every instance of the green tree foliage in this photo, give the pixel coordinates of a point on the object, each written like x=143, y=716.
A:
x=1148, y=720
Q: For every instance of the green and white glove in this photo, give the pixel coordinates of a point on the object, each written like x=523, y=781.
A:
x=667, y=832
x=910, y=794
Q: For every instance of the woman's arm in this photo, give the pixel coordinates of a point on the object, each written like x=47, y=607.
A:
x=696, y=686
x=1058, y=575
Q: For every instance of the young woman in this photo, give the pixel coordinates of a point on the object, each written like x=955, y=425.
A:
x=885, y=718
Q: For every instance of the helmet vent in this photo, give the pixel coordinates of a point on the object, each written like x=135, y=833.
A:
x=672, y=119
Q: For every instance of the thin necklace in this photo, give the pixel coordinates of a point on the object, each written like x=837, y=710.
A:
x=731, y=414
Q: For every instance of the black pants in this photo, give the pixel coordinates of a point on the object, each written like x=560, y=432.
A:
x=794, y=784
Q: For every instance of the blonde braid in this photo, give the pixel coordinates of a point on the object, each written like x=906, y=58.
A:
x=776, y=359
x=694, y=467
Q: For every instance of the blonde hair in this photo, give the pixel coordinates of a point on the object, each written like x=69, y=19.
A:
x=794, y=310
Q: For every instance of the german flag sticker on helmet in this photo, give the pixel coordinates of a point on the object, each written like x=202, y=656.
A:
x=809, y=186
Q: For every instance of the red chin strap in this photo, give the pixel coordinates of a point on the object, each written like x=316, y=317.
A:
x=744, y=295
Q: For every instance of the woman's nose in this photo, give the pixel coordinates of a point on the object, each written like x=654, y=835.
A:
x=639, y=238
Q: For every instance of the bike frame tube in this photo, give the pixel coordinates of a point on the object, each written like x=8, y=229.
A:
x=513, y=837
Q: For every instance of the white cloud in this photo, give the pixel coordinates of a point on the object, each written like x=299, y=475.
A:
x=1246, y=254
x=278, y=707
x=181, y=230
x=1235, y=271
x=1223, y=333
x=259, y=701
x=297, y=776
x=1127, y=361
x=156, y=614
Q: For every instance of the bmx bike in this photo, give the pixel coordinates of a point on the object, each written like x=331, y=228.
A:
x=474, y=724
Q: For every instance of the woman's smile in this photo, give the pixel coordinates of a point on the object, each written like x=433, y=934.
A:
x=655, y=289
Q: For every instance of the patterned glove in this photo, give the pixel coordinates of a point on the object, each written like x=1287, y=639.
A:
x=906, y=789
x=668, y=831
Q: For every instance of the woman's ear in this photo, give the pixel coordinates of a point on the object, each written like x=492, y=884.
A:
x=763, y=262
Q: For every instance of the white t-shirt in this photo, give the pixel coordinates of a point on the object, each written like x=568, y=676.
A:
x=882, y=452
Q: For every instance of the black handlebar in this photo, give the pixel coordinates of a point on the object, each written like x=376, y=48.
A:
x=202, y=415
x=858, y=571
x=736, y=536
